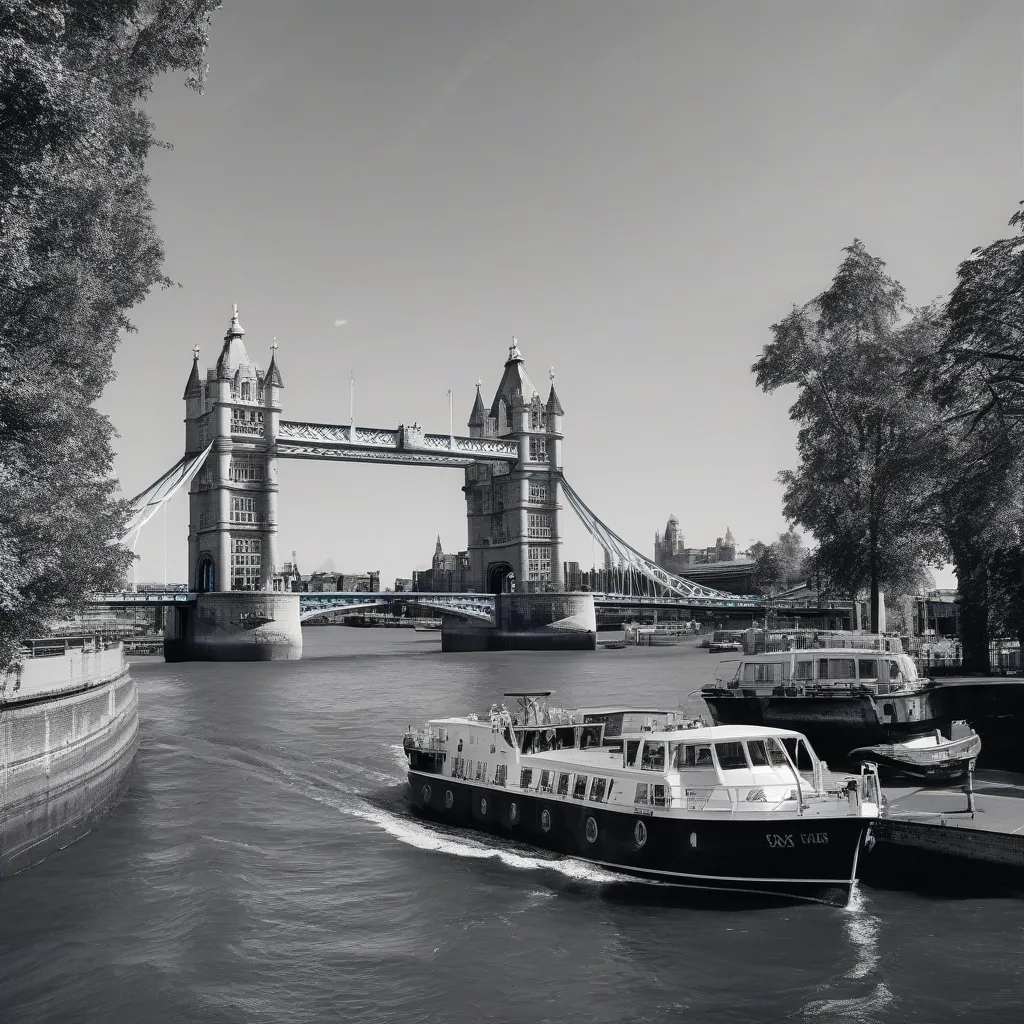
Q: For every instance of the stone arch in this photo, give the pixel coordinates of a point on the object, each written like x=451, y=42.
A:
x=501, y=578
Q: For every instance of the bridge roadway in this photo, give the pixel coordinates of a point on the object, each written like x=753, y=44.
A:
x=472, y=605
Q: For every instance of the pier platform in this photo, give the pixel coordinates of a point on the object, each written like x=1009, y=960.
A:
x=930, y=841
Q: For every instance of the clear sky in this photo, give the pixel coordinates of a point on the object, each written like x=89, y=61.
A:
x=637, y=191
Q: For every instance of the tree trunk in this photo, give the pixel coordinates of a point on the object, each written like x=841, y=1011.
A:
x=873, y=541
x=972, y=576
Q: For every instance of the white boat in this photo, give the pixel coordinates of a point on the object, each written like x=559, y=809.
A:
x=735, y=808
x=931, y=758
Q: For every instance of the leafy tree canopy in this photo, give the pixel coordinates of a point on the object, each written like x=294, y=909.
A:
x=865, y=432
x=78, y=249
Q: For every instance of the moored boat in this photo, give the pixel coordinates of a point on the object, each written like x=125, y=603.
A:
x=840, y=698
x=743, y=809
x=932, y=758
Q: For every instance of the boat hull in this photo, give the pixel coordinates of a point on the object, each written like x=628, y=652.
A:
x=801, y=858
x=942, y=771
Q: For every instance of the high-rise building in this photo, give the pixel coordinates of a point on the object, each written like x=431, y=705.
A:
x=572, y=575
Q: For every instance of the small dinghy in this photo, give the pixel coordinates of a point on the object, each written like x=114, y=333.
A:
x=932, y=758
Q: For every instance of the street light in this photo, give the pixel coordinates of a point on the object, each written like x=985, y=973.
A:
x=451, y=423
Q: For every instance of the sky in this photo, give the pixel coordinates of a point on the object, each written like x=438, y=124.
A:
x=636, y=191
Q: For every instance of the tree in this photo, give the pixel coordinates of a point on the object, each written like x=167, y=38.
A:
x=78, y=249
x=778, y=564
x=865, y=432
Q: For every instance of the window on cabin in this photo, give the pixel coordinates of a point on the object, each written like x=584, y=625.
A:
x=757, y=753
x=659, y=796
x=545, y=782
x=597, y=790
x=653, y=759
x=730, y=755
x=804, y=670
x=842, y=668
x=563, y=784
x=526, y=778
x=590, y=736
x=579, y=790
x=867, y=668
x=479, y=770
x=894, y=671
x=565, y=738
x=697, y=756
x=501, y=775
x=641, y=793
x=776, y=755
x=632, y=749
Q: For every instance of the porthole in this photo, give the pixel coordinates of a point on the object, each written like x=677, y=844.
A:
x=425, y=793
x=449, y=799
x=483, y=805
x=591, y=830
x=545, y=820
x=513, y=812
x=640, y=833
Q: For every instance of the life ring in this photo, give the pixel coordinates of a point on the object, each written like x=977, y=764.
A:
x=591, y=830
x=513, y=812
x=869, y=841
x=449, y=799
x=545, y=820
x=640, y=833
x=693, y=840
x=425, y=793
x=483, y=805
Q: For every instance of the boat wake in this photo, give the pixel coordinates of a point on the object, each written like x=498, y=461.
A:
x=862, y=931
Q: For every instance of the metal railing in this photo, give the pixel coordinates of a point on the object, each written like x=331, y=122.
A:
x=58, y=646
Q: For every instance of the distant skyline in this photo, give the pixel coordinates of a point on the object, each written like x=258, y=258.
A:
x=394, y=189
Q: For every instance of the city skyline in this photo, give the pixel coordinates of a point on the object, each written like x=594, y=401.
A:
x=584, y=177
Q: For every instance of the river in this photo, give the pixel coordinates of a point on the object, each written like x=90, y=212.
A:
x=263, y=868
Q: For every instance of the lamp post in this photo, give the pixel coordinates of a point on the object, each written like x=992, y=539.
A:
x=451, y=423
x=351, y=408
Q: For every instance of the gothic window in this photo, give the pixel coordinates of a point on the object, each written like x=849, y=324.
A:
x=538, y=525
x=244, y=468
x=246, y=556
x=538, y=493
x=247, y=421
x=246, y=389
x=537, y=416
x=538, y=449
x=243, y=510
x=538, y=564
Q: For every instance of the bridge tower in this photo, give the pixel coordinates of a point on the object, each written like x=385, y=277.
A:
x=513, y=512
x=232, y=541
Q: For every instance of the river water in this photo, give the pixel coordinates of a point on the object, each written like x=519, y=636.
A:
x=263, y=868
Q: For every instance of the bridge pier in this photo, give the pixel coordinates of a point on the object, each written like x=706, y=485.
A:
x=528, y=622
x=235, y=626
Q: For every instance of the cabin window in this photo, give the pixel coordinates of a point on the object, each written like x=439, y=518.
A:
x=889, y=710
x=526, y=778
x=579, y=789
x=481, y=770
x=501, y=775
x=757, y=753
x=697, y=756
x=804, y=670
x=565, y=738
x=641, y=793
x=730, y=755
x=776, y=754
x=748, y=672
x=597, y=790
x=653, y=759
x=894, y=671
x=590, y=736
x=563, y=784
x=632, y=749
x=758, y=672
x=659, y=796
x=867, y=668
x=841, y=668
x=545, y=782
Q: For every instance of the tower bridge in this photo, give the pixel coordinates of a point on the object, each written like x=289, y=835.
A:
x=513, y=481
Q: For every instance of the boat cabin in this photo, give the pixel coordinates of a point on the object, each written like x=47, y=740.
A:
x=792, y=673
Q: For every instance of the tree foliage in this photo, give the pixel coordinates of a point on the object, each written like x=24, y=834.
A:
x=78, y=249
x=781, y=563
x=866, y=434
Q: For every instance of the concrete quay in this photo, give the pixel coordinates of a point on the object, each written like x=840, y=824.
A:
x=930, y=841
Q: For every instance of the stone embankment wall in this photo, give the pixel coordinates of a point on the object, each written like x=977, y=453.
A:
x=69, y=730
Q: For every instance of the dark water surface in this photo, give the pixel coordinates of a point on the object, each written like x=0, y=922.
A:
x=263, y=867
